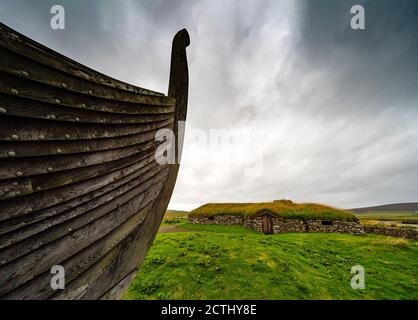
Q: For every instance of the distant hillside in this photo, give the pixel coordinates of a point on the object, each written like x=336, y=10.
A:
x=175, y=214
x=410, y=206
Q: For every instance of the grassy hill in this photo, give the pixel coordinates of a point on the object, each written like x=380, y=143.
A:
x=230, y=262
x=174, y=216
x=280, y=208
x=394, y=207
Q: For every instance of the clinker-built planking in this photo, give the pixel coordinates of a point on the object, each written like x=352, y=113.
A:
x=79, y=183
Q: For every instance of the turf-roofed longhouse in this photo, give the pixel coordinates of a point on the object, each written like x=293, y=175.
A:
x=278, y=217
x=80, y=185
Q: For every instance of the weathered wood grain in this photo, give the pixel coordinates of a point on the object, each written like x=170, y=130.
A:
x=60, y=195
x=48, y=164
x=12, y=149
x=26, y=268
x=12, y=40
x=39, y=221
x=40, y=110
x=21, y=129
x=73, y=219
x=29, y=69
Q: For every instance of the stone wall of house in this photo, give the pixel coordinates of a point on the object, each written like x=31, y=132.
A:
x=296, y=225
x=279, y=225
x=393, y=232
x=217, y=220
x=350, y=227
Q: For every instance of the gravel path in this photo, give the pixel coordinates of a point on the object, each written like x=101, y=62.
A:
x=171, y=229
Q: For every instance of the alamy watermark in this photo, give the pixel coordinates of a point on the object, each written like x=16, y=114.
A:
x=358, y=281
x=58, y=19
x=228, y=147
x=358, y=21
x=58, y=280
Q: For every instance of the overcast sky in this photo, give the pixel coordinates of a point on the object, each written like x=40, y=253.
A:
x=337, y=109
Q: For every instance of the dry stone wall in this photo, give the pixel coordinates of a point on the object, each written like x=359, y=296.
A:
x=295, y=225
x=393, y=232
x=229, y=219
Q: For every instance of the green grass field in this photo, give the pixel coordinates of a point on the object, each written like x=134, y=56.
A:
x=405, y=217
x=229, y=262
x=173, y=217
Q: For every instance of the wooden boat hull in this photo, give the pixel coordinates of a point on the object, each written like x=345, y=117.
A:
x=80, y=184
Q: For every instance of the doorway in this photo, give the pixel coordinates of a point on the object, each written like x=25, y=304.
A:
x=268, y=224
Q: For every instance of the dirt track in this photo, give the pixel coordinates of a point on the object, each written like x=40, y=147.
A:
x=171, y=229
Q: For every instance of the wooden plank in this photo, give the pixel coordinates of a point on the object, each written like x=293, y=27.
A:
x=39, y=288
x=117, y=291
x=49, y=164
x=59, y=225
x=65, y=177
x=25, y=88
x=88, y=180
x=20, y=271
x=21, y=66
x=20, y=44
x=33, y=223
x=28, y=108
x=48, y=203
x=22, y=129
x=15, y=149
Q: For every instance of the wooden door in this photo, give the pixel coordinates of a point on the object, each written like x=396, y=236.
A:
x=267, y=224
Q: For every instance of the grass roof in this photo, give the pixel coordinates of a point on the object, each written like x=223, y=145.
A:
x=280, y=208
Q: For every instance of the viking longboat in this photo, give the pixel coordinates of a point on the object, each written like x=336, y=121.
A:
x=80, y=184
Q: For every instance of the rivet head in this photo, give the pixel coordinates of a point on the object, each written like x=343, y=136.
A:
x=3, y=110
x=77, y=119
x=14, y=91
x=24, y=73
x=19, y=173
x=51, y=116
x=70, y=229
x=87, y=149
x=15, y=137
x=50, y=169
x=30, y=209
x=11, y=153
x=41, y=137
x=59, y=151
x=57, y=101
x=90, y=92
x=67, y=136
x=15, y=183
x=82, y=105
x=64, y=85
x=38, y=188
x=79, y=164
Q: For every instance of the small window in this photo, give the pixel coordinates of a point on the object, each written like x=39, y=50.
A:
x=326, y=223
x=211, y=218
